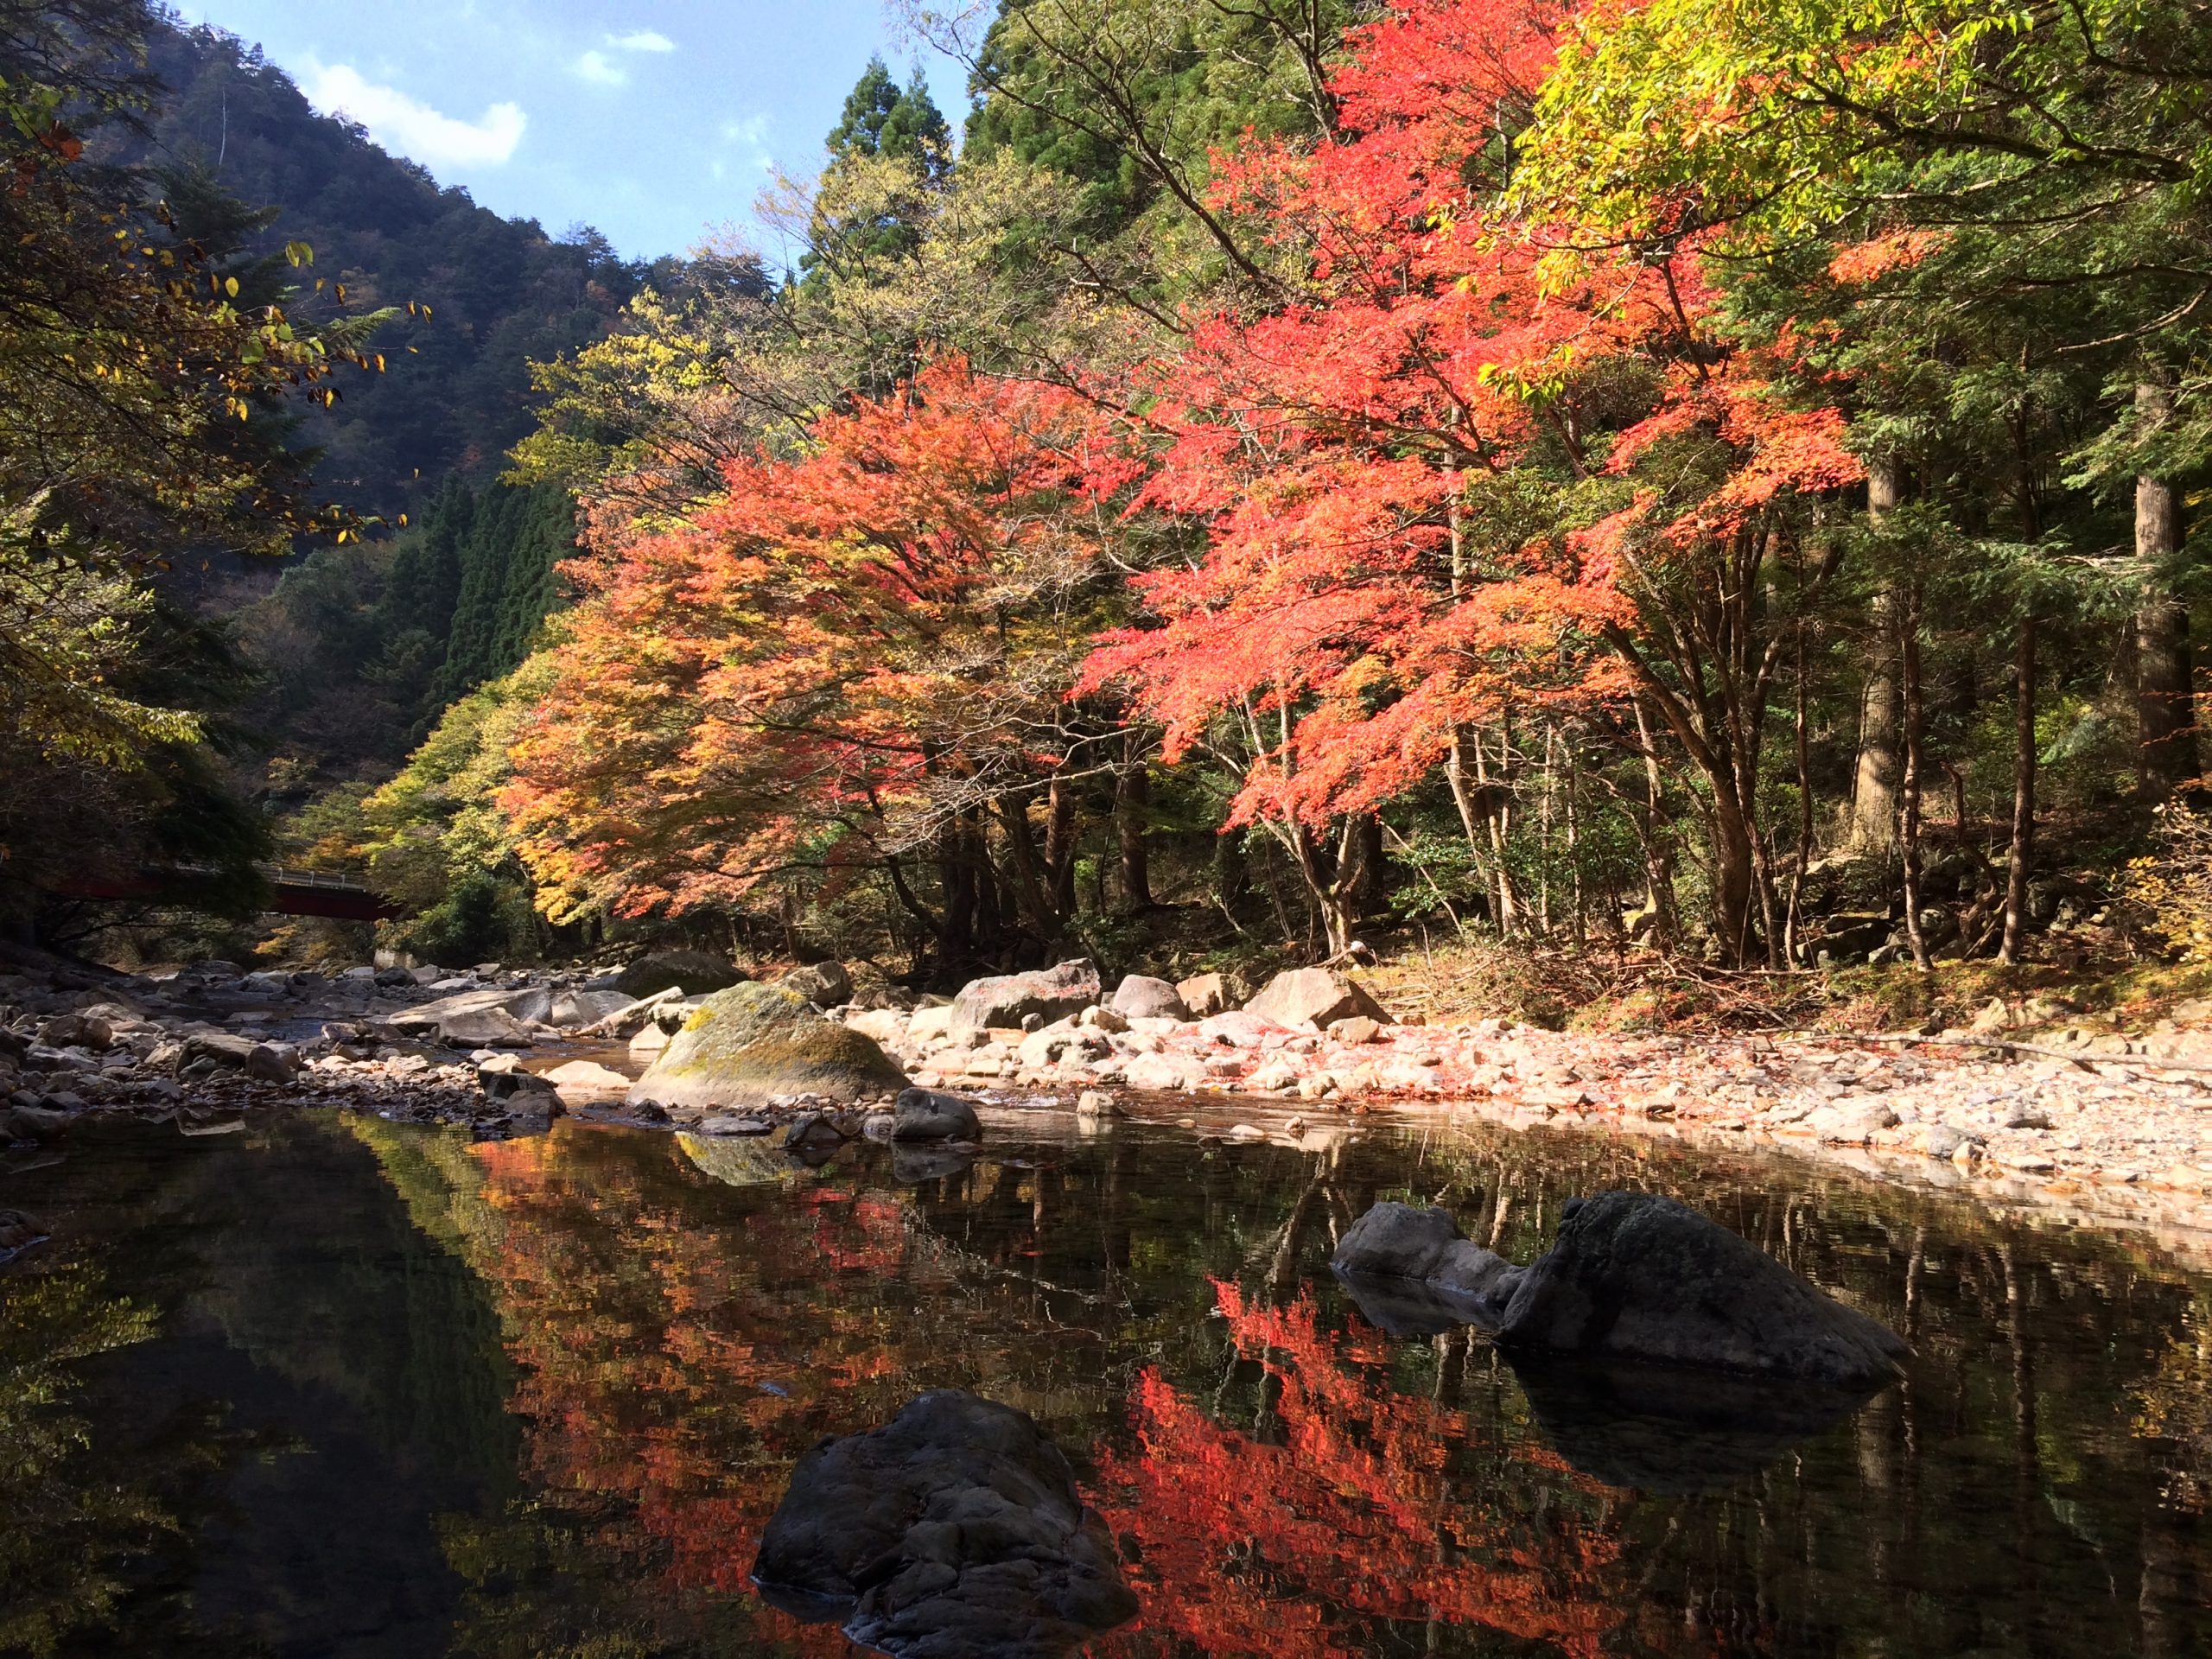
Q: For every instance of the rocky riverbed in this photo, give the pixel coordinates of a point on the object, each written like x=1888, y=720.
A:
x=2118, y=1128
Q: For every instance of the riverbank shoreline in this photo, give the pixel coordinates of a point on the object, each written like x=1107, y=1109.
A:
x=2117, y=1139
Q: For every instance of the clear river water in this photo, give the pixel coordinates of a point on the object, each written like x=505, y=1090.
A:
x=334, y=1386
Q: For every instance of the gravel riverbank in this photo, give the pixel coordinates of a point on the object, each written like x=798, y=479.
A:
x=2116, y=1131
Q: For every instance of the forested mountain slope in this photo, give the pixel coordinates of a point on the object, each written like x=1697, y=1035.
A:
x=499, y=293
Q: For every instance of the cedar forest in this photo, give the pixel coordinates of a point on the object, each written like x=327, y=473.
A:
x=1676, y=483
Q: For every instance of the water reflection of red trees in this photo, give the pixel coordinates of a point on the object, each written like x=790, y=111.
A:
x=1347, y=1515
x=671, y=1376
x=658, y=1371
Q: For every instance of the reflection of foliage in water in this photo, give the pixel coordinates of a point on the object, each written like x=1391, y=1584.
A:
x=1349, y=1513
x=64, y=1517
x=2175, y=1404
x=1292, y=1482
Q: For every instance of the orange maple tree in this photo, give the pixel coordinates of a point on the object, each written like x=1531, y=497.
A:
x=845, y=663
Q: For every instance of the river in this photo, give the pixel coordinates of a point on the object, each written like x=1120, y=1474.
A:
x=331, y=1385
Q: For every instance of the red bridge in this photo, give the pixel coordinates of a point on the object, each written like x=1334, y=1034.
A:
x=292, y=893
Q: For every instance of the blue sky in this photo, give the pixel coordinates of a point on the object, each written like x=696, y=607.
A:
x=656, y=121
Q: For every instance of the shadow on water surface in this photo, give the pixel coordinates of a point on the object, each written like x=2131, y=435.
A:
x=345, y=1386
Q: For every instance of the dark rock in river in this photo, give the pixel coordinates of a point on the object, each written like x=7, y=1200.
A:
x=1008, y=999
x=748, y=1044
x=925, y=1116
x=954, y=1530
x=1397, y=1243
x=814, y=1132
x=696, y=971
x=1407, y=1307
x=1634, y=1277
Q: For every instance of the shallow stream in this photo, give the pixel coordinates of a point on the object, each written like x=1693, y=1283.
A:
x=330, y=1385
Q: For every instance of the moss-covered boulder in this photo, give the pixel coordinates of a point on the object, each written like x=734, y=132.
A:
x=741, y=1046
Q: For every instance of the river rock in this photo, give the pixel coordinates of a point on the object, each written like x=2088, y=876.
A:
x=87, y=1030
x=885, y=1026
x=825, y=984
x=1308, y=999
x=1164, y=1073
x=485, y=1028
x=1204, y=994
x=1141, y=997
x=1851, y=1122
x=922, y=1115
x=1637, y=1277
x=272, y=1062
x=1396, y=1240
x=1006, y=999
x=743, y=1045
x=521, y=1091
x=954, y=1529
x=524, y=1004
x=585, y=1007
x=814, y=1132
x=697, y=971
x=588, y=1077
x=223, y=1047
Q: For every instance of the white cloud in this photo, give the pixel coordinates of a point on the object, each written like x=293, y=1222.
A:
x=597, y=66
x=751, y=135
x=414, y=130
x=646, y=40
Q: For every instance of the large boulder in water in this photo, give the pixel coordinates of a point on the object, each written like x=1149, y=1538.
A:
x=745, y=1044
x=1308, y=999
x=954, y=1529
x=1006, y=999
x=697, y=971
x=1637, y=1278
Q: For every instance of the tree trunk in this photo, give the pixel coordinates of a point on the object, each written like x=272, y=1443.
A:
x=1658, y=860
x=1802, y=746
x=1363, y=871
x=1062, y=835
x=1501, y=820
x=1873, y=825
x=1030, y=900
x=1734, y=870
x=1328, y=889
x=2024, y=794
x=1132, y=821
x=1908, y=787
x=2165, y=673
